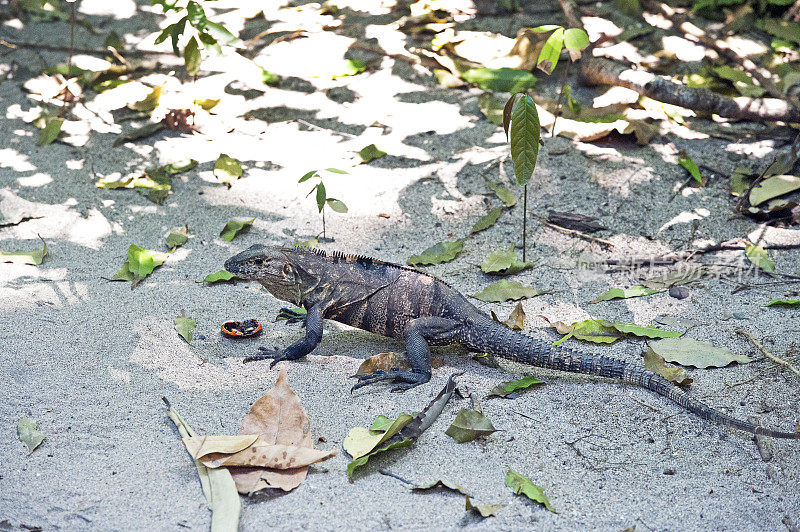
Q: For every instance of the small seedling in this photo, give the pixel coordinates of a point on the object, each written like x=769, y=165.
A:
x=322, y=196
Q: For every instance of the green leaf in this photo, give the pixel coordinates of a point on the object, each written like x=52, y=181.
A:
x=773, y=187
x=371, y=152
x=321, y=197
x=625, y=293
x=740, y=80
x=142, y=261
x=575, y=39
x=124, y=273
x=336, y=205
x=233, y=228
x=685, y=161
x=336, y=171
x=219, y=277
x=491, y=107
x=350, y=67
x=138, y=133
x=502, y=192
x=653, y=362
x=522, y=485
x=548, y=57
x=500, y=79
x=179, y=167
x=547, y=28
x=468, y=425
x=362, y=460
x=487, y=220
x=191, y=57
x=311, y=243
x=51, y=130
x=740, y=180
x=485, y=510
x=784, y=303
x=164, y=34
x=221, y=33
x=177, y=238
x=184, y=325
x=505, y=388
x=114, y=41
x=690, y=352
x=270, y=78
x=782, y=29
x=196, y=15
x=644, y=331
x=504, y=263
x=436, y=254
x=28, y=434
x=149, y=102
x=597, y=331
x=227, y=169
x=505, y=290
x=759, y=257
x=308, y=175
x=210, y=42
x=362, y=443
x=525, y=134
x=33, y=258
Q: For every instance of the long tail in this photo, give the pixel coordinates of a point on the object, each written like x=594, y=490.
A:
x=511, y=345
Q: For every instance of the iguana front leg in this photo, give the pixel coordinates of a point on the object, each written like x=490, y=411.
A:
x=419, y=332
x=302, y=347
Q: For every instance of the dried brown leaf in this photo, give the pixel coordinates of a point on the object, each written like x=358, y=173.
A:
x=383, y=361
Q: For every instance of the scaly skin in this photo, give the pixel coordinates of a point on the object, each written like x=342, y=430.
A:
x=421, y=310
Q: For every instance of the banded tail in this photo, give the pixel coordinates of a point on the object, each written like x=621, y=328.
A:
x=506, y=343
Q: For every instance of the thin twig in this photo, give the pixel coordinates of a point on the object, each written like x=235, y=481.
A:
x=578, y=234
x=767, y=353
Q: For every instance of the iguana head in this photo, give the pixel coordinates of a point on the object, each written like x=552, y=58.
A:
x=270, y=266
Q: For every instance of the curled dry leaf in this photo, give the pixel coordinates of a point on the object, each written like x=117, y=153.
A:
x=655, y=363
x=277, y=418
x=227, y=451
x=383, y=361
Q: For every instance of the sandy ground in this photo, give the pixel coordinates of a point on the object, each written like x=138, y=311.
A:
x=89, y=359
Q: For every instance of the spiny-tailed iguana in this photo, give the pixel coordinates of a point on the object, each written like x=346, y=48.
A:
x=417, y=308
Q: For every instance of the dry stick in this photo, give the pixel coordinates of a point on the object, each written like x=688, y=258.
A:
x=602, y=71
x=577, y=233
x=767, y=353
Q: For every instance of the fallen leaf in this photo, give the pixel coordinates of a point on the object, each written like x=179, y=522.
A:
x=574, y=221
x=218, y=486
x=655, y=363
x=487, y=220
x=506, y=388
x=176, y=239
x=436, y=254
x=234, y=228
x=383, y=361
x=522, y=485
x=468, y=425
x=33, y=258
x=277, y=418
x=138, y=133
x=485, y=510
x=606, y=332
x=218, y=277
x=504, y=263
x=625, y=293
x=150, y=102
x=440, y=484
x=184, y=325
x=759, y=257
x=505, y=290
x=142, y=261
x=773, y=187
x=682, y=275
x=371, y=152
x=690, y=166
x=29, y=434
x=227, y=169
x=784, y=303
x=515, y=321
x=502, y=192
x=362, y=441
x=741, y=179
x=250, y=451
x=349, y=67
x=50, y=131
x=690, y=352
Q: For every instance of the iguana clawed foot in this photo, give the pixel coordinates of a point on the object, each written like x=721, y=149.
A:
x=405, y=380
x=275, y=354
x=292, y=316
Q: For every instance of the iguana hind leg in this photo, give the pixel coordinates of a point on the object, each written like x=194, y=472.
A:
x=419, y=333
x=299, y=349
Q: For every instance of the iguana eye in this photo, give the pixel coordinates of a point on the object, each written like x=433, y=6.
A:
x=287, y=269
